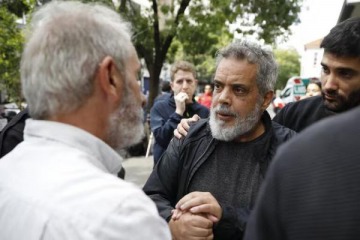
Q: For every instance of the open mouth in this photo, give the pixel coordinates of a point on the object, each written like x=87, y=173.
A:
x=225, y=116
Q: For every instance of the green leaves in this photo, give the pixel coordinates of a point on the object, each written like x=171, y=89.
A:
x=168, y=30
x=289, y=65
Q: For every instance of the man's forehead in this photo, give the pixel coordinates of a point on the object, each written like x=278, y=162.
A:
x=340, y=62
x=179, y=75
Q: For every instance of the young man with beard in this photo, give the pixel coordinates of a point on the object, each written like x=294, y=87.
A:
x=78, y=73
x=168, y=111
x=340, y=79
x=206, y=183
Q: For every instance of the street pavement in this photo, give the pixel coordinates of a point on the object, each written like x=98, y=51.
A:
x=138, y=169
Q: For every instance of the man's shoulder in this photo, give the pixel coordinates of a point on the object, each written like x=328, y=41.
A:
x=198, y=130
x=165, y=101
x=300, y=114
x=281, y=131
x=311, y=102
x=201, y=110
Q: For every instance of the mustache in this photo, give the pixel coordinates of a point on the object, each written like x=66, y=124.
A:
x=331, y=93
x=224, y=110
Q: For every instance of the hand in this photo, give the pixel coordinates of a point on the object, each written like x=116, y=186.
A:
x=180, y=102
x=199, y=203
x=191, y=226
x=184, y=126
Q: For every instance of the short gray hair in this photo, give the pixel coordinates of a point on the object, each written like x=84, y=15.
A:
x=256, y=54
x=66, y=44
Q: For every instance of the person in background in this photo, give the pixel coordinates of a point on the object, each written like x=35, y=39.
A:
x=166, y=113
x=312, y=194
x=78, y=75
x=313, y=88
x=206, y=97
x=13, y=132
x=340, y=79
x=205, y=184
x=165, y=91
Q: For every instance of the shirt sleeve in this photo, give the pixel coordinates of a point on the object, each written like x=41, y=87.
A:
x=162, y=127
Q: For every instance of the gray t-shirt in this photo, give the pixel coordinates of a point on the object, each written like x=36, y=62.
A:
x=232, y=172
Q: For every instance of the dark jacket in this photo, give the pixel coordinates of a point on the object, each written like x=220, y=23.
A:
x=171, y=177
x=312, y=190
x=12, y=134
x=164, y=120
x=301, y=114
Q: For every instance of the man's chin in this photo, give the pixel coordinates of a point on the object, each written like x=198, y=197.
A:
x=334, y=106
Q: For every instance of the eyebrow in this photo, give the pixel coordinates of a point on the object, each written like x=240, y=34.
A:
x=232, y=84
x=340, y=68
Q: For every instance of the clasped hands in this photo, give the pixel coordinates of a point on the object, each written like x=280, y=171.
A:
x=194, y=216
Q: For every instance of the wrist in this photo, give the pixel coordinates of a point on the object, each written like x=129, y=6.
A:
x=180, y=112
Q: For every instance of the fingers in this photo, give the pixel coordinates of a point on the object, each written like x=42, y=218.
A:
x=177, y=213
x=177, y=134
x=200, y=202
x=180, y=102
x=194, y=118
x=181, y=97
x=184, y=126
x=191, y=226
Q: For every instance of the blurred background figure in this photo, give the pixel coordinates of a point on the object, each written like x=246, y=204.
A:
x=278, y=104
x=205, y=98
x=313, y=88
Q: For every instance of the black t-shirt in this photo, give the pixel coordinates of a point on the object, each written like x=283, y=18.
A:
x=232, y=172
x=301, y=114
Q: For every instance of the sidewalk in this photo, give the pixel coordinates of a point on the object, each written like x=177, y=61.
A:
x=138, y=169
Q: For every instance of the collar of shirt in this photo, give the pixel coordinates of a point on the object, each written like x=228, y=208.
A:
x=105, y=157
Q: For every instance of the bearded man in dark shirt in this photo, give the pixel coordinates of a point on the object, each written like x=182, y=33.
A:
x=340, y=79
x=205, y=184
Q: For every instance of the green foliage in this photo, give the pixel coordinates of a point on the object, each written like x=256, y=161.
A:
x=289, y=65
x=17, y=7
x=194, y=30
x=189, y=29
x=11, y=42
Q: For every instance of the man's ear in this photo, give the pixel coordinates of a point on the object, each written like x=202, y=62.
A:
x=110, y=79
x=267, y=100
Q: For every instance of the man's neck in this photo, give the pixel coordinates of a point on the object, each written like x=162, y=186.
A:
x=257, y=131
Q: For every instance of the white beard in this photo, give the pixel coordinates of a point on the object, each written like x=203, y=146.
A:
x=242, y=125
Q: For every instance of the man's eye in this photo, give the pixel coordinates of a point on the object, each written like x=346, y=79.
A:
x=325, y=70
x=346, y=74
x=216, y=86
x=239, y=90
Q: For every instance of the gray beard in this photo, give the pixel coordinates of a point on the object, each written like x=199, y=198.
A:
x=126, y=126
x=242, y=125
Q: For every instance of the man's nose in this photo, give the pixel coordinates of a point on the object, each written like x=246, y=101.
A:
x=225, y=96
x=185, y=85
x=330, y=82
